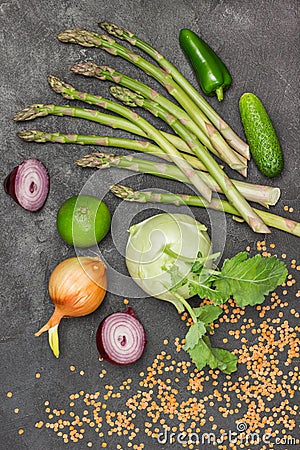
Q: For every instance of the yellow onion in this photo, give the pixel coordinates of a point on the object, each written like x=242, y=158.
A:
x=77, y=287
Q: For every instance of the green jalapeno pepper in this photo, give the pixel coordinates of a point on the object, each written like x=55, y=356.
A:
x=212, y=74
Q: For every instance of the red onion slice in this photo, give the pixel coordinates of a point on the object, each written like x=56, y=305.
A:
x=121, y=338
x=28, y=184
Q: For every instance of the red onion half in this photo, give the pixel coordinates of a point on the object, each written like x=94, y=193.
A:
x=121, y=338
x=28, y=184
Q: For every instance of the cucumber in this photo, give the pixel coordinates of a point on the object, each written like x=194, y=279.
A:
x=260, y=134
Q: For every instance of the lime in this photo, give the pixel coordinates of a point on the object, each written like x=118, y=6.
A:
x=83, y=220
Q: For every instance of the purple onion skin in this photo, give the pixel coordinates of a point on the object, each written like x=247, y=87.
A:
x=99, y=340
x=130, y=311
x=100, y=347
x=9, y=184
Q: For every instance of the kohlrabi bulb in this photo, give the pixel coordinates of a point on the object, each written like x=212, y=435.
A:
x=160, y=251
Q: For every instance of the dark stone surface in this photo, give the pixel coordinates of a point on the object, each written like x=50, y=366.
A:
x=258, y=40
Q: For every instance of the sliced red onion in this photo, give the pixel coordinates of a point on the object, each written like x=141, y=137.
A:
x=121, y=338
x=28, y=184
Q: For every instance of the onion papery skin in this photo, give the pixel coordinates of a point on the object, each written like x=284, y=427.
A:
x=77, y=287
x=89, y=275
x=121, y=338
x=28, y=184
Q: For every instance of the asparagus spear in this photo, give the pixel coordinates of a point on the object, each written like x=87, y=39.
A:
x=219, y=123
x=228, y=188
x=265, y=195
x=128, y=194
x=41, y=110
x=219, y=176
x=130, y=98
x=90, y=69
x=69, y=92
x=105, y=141
x=91, y=39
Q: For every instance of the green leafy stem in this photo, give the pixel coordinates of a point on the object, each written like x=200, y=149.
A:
x=246, y=280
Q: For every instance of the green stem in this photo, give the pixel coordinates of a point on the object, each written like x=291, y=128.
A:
x=265, y=195
x=105, y=141
x=130, y=98
x=90, y=39
x=69, y=92
x=128, y=194
x=90, y=69
x=220, y=177
x=219, y=123
x=116, y=122
x=168, y=251
x=186, y=305
x=219, y=92
x=228, y=188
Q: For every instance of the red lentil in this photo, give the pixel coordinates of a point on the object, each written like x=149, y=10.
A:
x=263, y=398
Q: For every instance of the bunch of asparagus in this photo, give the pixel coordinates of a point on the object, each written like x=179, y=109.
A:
x=199, y=133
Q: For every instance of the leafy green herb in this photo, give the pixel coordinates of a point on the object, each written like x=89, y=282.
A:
x=247, y=280
x=195, y=333
x=208, y=313
x=198, y=344
x=203, y=354
x=177, y=280
x=205, y=290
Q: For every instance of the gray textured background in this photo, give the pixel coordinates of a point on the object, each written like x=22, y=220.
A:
x=259, y=42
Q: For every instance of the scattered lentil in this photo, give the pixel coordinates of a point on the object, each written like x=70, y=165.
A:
x=261, y=395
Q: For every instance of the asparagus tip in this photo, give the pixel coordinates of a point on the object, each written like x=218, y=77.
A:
x=126, y=96
x=121, y=191
x=67, y=35
x=115, y=30
x=31, y=112
x=91, y=69
x=60, y=86
x=28, y=135
x=85, y=68
x=54, y=81
x=99, y=160
x=77, y=36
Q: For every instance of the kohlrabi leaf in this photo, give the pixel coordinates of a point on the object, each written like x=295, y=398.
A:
x=203, y=354
x=229, y=359
x=249, y=280
x=206, y=291
x=208, y=313
x=197, y=267
x=195, y=333
x=177, y=279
